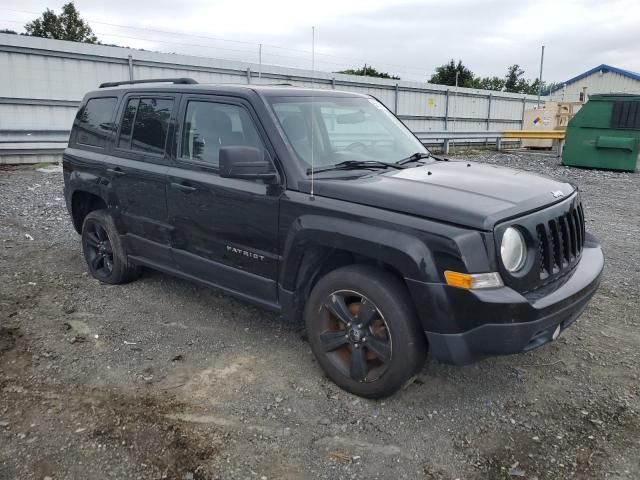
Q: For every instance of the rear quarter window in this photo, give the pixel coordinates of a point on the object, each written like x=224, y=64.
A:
x=94, y=121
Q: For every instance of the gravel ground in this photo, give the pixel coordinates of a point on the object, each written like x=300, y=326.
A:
x=165, y=379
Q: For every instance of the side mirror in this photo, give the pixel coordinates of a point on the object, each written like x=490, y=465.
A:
x=245, y=162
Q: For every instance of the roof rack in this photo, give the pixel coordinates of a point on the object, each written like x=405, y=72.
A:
x=179, y=81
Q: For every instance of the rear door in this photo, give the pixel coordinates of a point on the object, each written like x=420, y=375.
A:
x=225, y=230
x=137, y=166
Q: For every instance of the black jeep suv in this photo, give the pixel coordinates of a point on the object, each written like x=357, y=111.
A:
x=321, y=204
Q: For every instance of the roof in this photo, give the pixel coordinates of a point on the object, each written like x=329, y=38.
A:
x=266, y=90
x=603, y=68
x=614, y=96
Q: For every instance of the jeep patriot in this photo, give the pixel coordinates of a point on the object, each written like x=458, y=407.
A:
x=321, y=205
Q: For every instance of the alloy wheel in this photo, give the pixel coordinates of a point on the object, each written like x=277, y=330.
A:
x=98, y=250
x=355, y=336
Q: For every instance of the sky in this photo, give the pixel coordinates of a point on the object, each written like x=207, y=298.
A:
x=403, y=37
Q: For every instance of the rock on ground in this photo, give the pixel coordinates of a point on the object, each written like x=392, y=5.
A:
x=171, y=380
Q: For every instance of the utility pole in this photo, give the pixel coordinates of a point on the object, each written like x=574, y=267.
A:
x=540, y=77
x=313, y=51
x=455, y=108
x=260, y=61
x=313, y=74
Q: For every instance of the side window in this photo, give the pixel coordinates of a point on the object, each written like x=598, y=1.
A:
x=93, y=121
x=127, y=123
x=209, y=126
x=145, y=124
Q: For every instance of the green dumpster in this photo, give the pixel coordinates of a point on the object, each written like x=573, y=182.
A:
x=605, y=133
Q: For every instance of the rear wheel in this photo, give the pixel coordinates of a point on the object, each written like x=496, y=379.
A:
x=103, y=250
x=363, y=331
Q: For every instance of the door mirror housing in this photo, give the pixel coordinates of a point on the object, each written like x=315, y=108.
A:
x=246, y=163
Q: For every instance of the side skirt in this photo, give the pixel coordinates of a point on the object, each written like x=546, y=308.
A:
x=272, y=306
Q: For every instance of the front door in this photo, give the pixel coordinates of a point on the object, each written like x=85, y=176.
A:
x=225, y=230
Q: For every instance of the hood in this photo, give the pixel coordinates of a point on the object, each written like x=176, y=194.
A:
x=463, y=193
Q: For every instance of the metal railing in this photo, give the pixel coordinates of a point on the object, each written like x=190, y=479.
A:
x=445, y=138
x=53, y=142
x=32, y=146
x=34, y=136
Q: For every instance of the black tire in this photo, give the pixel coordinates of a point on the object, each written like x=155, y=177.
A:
x=384, y=340
x=103, y=250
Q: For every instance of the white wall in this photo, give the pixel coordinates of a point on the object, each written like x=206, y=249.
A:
x=43, y=80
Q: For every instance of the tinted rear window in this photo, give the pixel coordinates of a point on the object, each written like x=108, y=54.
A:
x=145, y=124
x=94, y=121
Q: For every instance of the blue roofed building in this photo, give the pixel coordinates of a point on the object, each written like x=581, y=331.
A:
x=600, y=79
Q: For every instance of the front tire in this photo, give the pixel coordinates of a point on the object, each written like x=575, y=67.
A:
x=363, y=331
x=103, y=250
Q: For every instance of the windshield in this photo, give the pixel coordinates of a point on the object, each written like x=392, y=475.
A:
x=344, y=128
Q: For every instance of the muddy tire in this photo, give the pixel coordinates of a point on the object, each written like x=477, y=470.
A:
x=103, y=250
x=363, y=331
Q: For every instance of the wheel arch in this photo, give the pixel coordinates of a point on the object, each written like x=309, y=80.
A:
x=318, y=245
x=84, y=202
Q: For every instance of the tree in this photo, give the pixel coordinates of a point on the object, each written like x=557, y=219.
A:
x=6, y=30
x=66, y=26
x=515, y=81
x=368, y=71
x=546, y=89
x=489, y=83
x=446, y=75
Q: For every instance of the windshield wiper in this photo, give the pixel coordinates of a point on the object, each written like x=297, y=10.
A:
x=414, y=158
x=355, y=165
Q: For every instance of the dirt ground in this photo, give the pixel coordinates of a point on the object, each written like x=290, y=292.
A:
x=164, y=379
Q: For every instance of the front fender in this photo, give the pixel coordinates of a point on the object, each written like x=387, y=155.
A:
x=419, y=249
x=406, y=253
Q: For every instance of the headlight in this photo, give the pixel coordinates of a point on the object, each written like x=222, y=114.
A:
x=513, y=250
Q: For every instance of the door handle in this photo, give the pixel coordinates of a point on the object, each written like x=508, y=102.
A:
x=116, y=171
x=182, y=187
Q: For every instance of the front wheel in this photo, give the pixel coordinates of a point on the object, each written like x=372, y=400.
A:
x=363, y=331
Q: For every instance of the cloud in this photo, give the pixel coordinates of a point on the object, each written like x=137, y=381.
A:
x=407, y=37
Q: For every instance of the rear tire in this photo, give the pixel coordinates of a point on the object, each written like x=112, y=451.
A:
x=363, y=331
x=103, y=250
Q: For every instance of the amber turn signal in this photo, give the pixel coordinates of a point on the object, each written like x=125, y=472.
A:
x=473, y=280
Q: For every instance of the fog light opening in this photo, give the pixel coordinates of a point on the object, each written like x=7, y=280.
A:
x=556, y=333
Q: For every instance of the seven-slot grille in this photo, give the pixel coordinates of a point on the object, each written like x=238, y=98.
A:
x=560, y=241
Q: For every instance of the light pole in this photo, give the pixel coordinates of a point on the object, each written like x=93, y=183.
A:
x=540, y=77
x=455, y=108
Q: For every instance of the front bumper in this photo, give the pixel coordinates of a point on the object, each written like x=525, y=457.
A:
x=507, y=322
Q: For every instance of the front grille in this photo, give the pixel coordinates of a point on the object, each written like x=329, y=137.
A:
x=560, y=241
